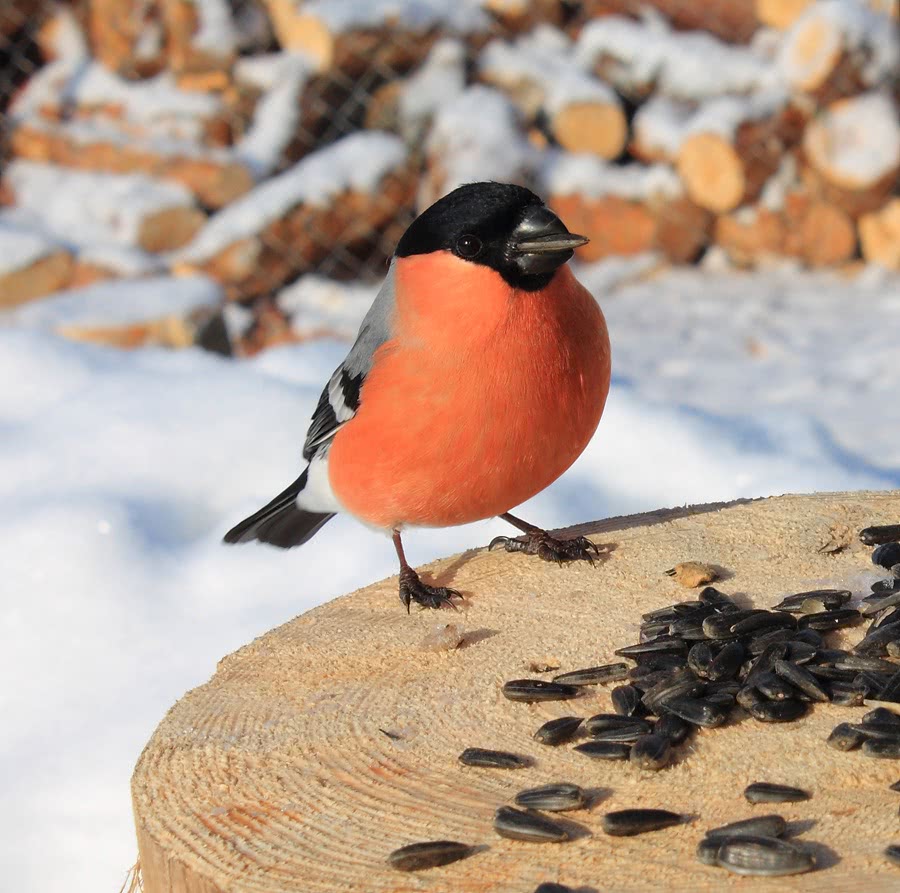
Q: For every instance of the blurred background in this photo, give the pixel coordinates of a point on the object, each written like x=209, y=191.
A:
x=198, y=200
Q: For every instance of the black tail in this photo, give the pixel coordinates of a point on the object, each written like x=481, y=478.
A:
x=280, y=522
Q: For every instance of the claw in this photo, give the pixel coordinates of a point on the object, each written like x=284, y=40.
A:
x=412, y=589
x=549, y=548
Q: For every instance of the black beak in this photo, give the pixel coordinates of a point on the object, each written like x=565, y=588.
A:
x=541, y=243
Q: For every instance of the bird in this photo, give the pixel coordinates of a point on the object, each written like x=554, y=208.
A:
x=478, y=376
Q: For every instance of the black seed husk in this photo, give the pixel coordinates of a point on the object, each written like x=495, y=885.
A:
x=763, y=621
x=628, y=822
x=844, y=737
x=880, y=731
x=559, y=797
x=558, y=731
x=428, y=854
x=672, y=727
x=766, y=792
x=708, y=850
x=758, y=826
x=518, y=825
x=594, y=675
x=763, y=857
x=727, y=662
x=802, y=679
x=885, y=750
x=717, y=600
x=886, y=555
x=880, y=533
x=626, y=701
x=602, y=722
x=664, y=644
x=551, y=887
x=779, y=711
x=651, y=752
x=882, y=714
x=493, y=759
x=892, y=853
x=774, y=687
x=538, y=690
x=826, y=620
x=604, y=750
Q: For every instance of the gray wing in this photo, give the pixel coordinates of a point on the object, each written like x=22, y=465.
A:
x=340, y=398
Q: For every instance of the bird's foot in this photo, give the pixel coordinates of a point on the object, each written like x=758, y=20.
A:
x=549, y=548
x=412, y=589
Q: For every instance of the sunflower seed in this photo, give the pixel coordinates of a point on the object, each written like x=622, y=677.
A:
x=552, y=797
x=826, y=620
x=861, y=662
x=765, y=792
x=844, y=737
x=802, y=680
x=886, y=555
x=708, y=850
x=774, y=687
x=719, y=626
x=880, y=533
x=760, y=642
x=680, y=684
x=697, y=712
x=892, y=853
x=882, y=715
x=766, y=661
x=700, y=657
x=626, y=701
x=689, y=629
x=833, y=674
x=809, y=636
x=763, y=621
x=594, y=675
x=836, y=597
x=518, y=825
x=717, y=600
x=558, y=731
x=848, y=694
x=602, y=722
x=493, y=759
x=749, y=697
x=763, y=857
x=727, y=662
x=778, y=711
x=653, y=629
x=627, y=822
x=428, y=854
x=538, y=690
x=801, y=652
x=887, y=750
x=672, y=727
x=878, y=731
x=875, y=642
x=895, y=786
x=891, y=690
x=662, y=644
x=622, y=735
x=551, y=887
x=651, y=752
x=604, y=750
x=758, y=826
x=883, y=587
x=817, y=604
x=661, y=660
x=871, y=608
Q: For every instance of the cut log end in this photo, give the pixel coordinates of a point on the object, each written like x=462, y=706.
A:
x=43, y=276
x=780, y=14
x=595, y=127
x=879, y=235
x=712, y=172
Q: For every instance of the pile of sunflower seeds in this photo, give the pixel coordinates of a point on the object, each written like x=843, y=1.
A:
x=695, y=663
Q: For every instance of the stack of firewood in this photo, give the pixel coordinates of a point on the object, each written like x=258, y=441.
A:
x=254, y=142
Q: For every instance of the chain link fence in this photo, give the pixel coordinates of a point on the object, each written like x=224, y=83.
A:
x=675, y=127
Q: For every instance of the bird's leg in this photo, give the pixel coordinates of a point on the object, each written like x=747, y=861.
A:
x=539, y=542
x=412, y=589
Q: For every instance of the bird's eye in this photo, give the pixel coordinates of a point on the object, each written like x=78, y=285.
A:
x=468, y=246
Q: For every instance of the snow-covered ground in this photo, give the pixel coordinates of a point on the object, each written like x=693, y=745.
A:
x=119, y=473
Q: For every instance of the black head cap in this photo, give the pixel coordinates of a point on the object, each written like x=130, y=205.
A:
x=499, y=225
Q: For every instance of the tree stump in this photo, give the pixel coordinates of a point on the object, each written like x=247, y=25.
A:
x=322, y=746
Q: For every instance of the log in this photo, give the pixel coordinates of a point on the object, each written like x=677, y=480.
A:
x=853, y=152
x=780, y=14
x=521, y=16
x=127, y=36
x=625, y=210
x=539, y=74
x=836, y=50
x=200, y=42
x=733, y=21
x=827, y=235
x=17, y=13
x=213, y=176
x=751, y=236
x=723, y=168
x=879, y=235
x=341, y=196
x=35, y=279
x=317, y=749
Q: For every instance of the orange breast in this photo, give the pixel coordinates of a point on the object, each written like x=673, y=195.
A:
x=483, y=398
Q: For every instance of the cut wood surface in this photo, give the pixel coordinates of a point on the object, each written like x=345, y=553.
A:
x=879, y=234
x=325, y=744
x=780, y=14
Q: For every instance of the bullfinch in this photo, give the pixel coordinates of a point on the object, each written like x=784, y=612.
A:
x=478, y=377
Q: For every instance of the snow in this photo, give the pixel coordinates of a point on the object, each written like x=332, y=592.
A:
x=476, y=137
x=357, y=162
x=564, y=173
x=440, y=78
x=117, y=302
x=317, y=305
x=542, y=62
x=640, y=54
x=277, y=113
x=120, y=472
x=21, y=246
x=87, y=208
x=343, y=15
x=216, y=31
